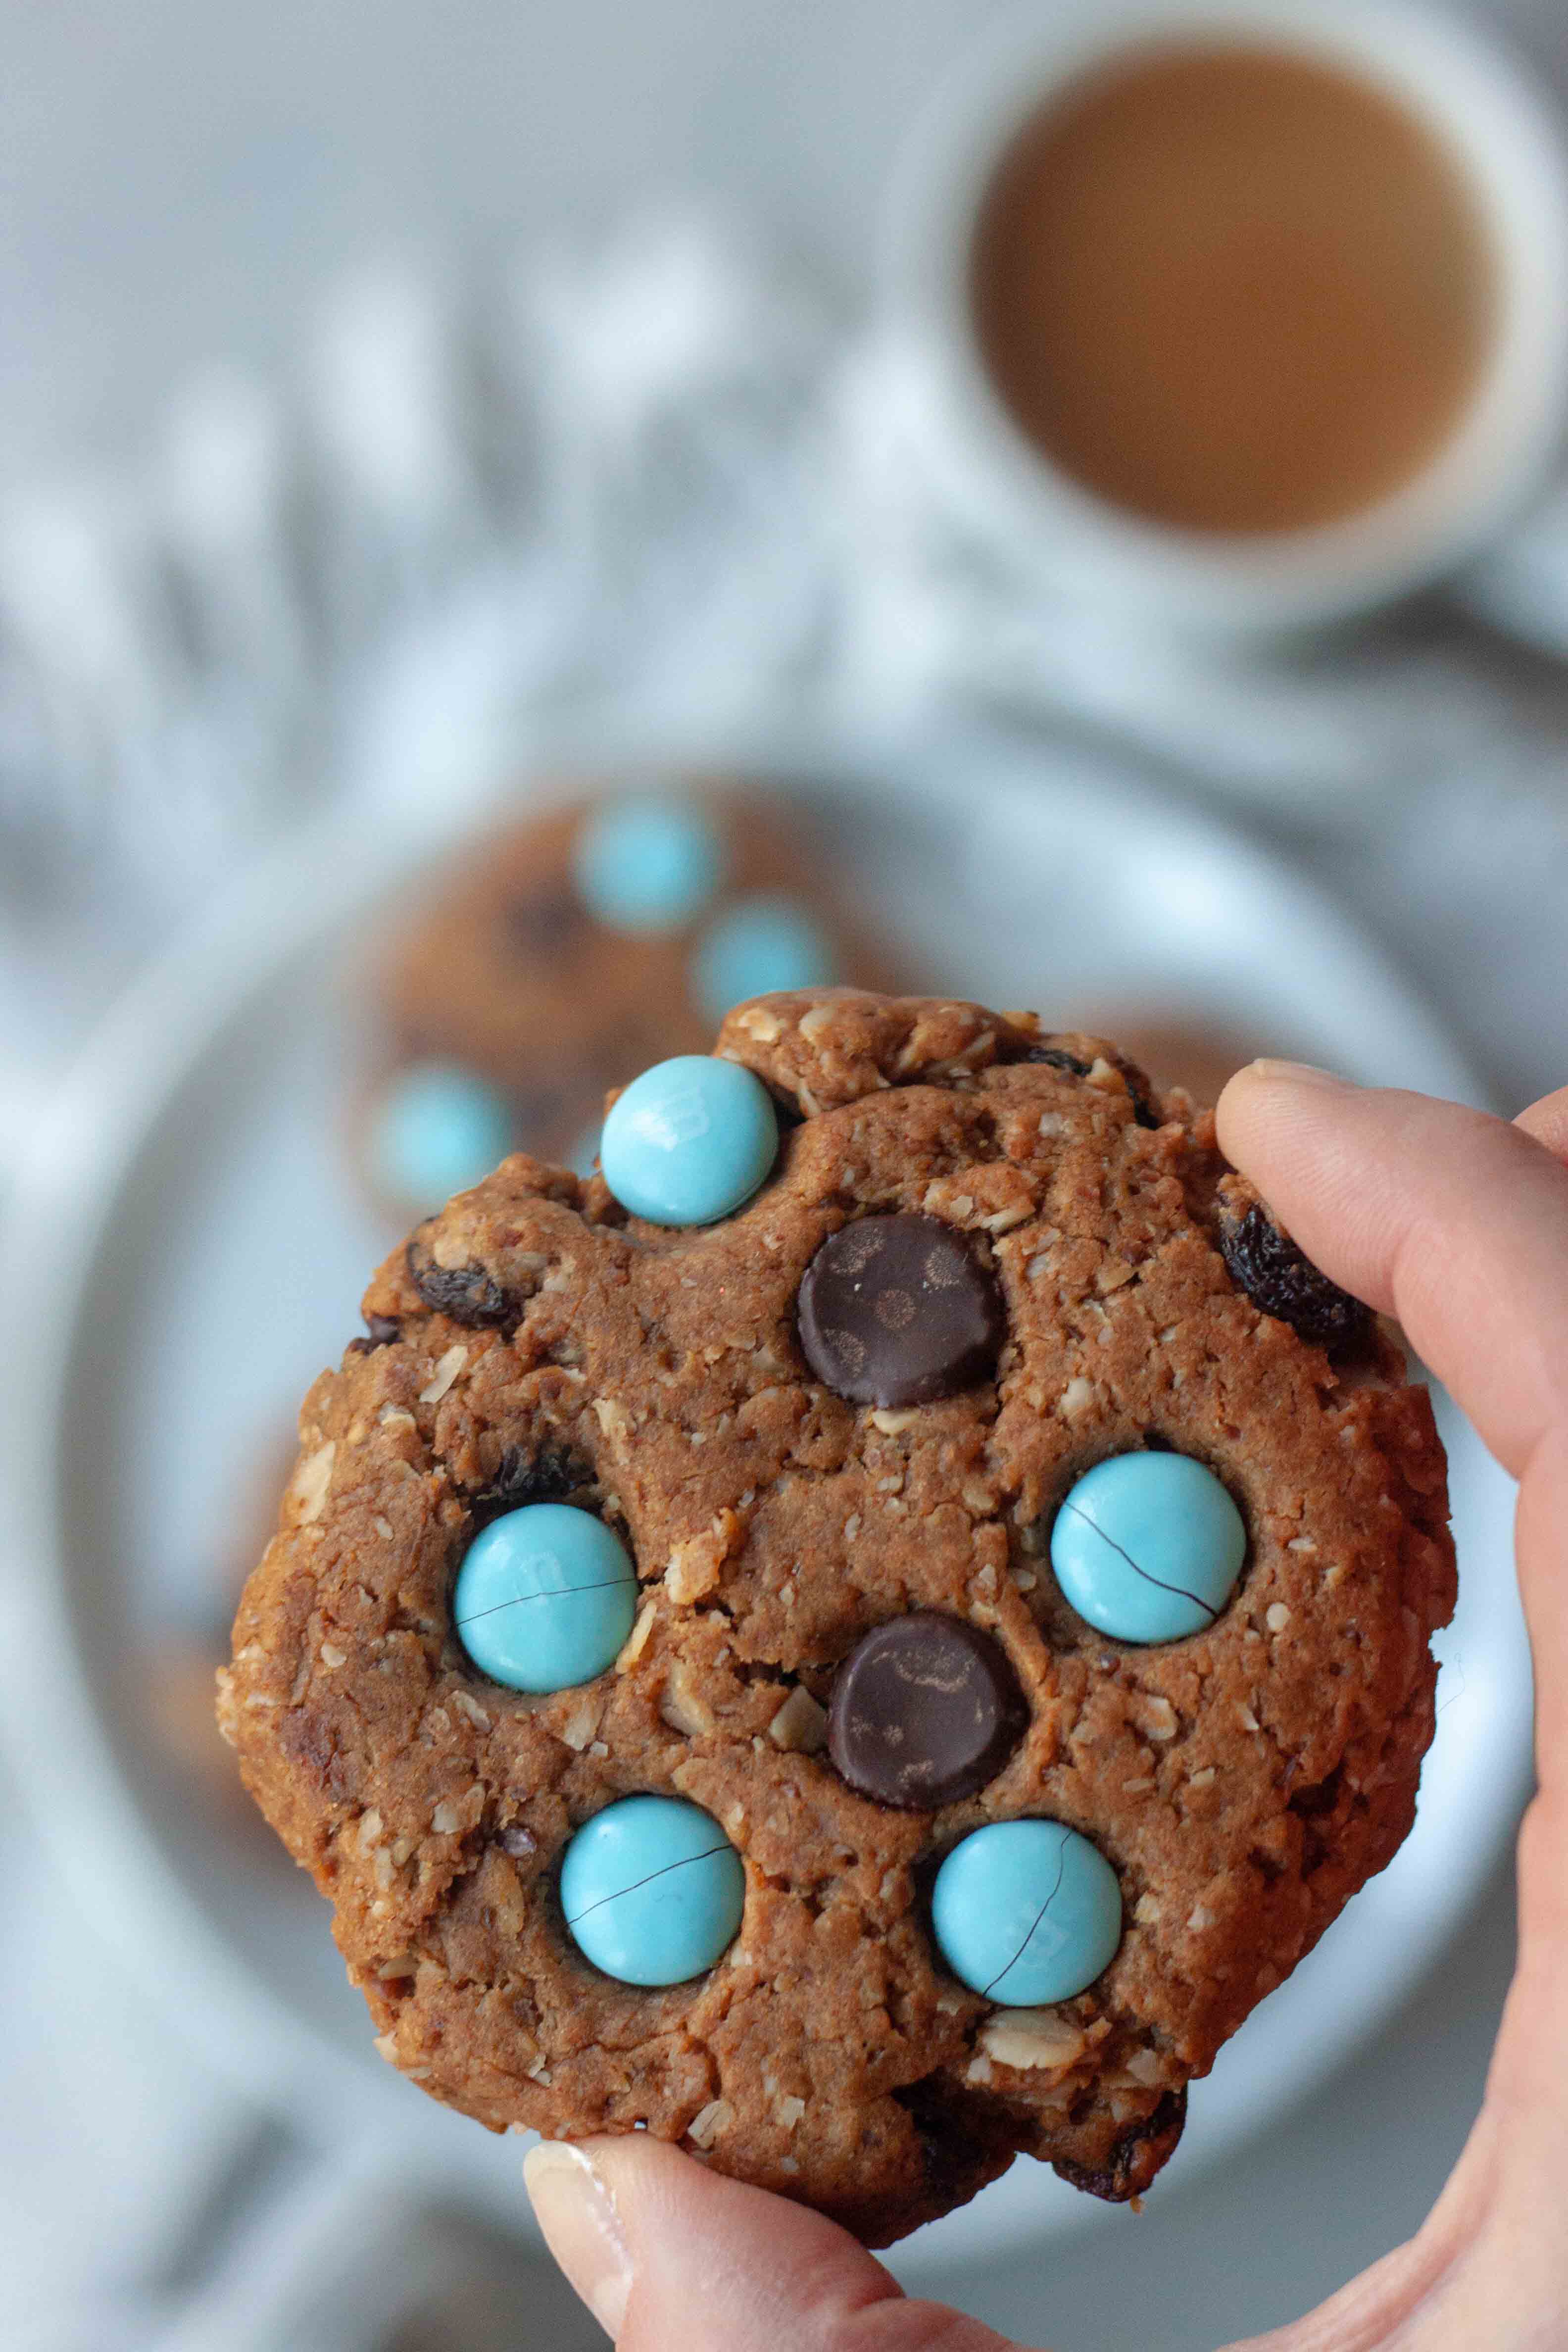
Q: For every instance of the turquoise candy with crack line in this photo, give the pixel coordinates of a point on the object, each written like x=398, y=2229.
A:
x=1027, y=1912
x=689, y=1141
x=647, y=865
x=544, y=1598
x=652, y=1891
x=1148, y=1547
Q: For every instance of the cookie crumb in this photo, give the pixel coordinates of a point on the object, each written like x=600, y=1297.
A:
x=682, y=1704
x=801, y=1724
x=308, y=1487
x=1033, y=2041
x=694, y=1565
x=581, y=1724
x=636, y=1640
x=447, y=1367
x=710, y=2122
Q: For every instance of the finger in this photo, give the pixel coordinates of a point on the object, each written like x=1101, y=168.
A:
x=1455, y=1222
x=670, y=2257
x=1547, y=1120
x=1458, y=1223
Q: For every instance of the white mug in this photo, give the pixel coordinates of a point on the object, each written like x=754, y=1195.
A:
x=1004, y=487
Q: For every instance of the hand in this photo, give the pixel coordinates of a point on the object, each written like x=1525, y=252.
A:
x=1457, y=1225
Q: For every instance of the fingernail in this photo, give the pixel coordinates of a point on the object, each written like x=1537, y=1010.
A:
x=1300, y=1074
x=574, y=2210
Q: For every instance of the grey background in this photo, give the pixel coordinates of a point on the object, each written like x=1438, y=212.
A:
x=177, y=179
x=178, y=182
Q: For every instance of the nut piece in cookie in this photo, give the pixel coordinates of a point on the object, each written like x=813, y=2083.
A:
x=874, y=1667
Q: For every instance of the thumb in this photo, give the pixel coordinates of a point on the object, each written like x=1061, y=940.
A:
x=670, y=2257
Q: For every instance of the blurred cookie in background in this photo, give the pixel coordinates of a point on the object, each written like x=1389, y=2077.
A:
x=182, y=1656
x=1184, y=1050
x=565, y=954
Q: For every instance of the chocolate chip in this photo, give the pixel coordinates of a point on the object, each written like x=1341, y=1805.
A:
x=541, y=924
x=925, y=1710
x=1283, y=1281
x=900, y=1310
x=467, y=1293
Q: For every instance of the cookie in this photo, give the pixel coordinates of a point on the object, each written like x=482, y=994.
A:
x=566, y=955
x=906, y=1829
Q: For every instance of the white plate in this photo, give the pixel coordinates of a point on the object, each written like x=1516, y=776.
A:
x=185, y=1254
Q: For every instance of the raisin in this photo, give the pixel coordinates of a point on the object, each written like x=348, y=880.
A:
x=960, y=2151
x=1311, y=1806
x=1283, y=1281
x=383, y=1330
x=523, y=1478
x=1135, y=2157
x=1057, y=1058
x=312, y=1743
x=1143, y=1110
x=467, y=1293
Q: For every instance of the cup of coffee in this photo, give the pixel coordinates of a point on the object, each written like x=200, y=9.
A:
x=1237, y=315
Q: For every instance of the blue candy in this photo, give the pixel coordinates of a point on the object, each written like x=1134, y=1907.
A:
x=652, y=1891
x=754, y=947
x=1027, y=1912
x=544, y=1598
x=648, y=864
x=1148, y=1547
x=690, y=1140
x=437, y=1130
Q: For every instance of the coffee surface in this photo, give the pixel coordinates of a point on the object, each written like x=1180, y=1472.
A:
x=1233, y=289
